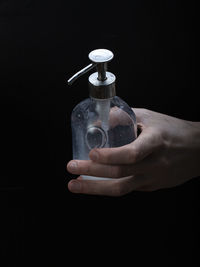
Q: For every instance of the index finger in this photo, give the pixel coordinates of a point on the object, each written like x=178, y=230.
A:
x=147, y=142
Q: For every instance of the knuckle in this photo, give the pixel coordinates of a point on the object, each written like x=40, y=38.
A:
x=157, y=138
x=145, y=113
x=115, y=171
x=160, y=137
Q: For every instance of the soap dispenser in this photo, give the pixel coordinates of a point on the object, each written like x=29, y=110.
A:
x=103, y=119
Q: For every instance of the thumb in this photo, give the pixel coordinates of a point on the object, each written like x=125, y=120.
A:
x=146, y=143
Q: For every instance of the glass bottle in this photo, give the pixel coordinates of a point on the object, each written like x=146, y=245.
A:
x=103, y=119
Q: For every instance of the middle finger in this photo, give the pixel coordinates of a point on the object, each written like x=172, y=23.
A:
x=91, y=168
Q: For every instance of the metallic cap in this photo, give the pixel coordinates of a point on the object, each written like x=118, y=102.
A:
x=102, y=89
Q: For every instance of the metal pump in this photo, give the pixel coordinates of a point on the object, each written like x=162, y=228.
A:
x=102, y=82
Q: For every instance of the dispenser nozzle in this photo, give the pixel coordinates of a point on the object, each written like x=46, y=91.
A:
x=80, y=73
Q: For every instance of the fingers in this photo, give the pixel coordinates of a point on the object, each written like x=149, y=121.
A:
x=88, y=167
x=118, y=117
x=115, y=187
x=147, y=142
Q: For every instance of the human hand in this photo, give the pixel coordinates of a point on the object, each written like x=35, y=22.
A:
x=165, y=154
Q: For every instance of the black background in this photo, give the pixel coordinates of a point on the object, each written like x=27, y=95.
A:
x=43, y=43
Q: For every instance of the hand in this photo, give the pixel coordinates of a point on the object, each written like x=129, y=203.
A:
x=165, y=154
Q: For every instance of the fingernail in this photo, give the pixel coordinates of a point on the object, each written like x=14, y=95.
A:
x=75, y=186
x=73, y=166
x=94, y=155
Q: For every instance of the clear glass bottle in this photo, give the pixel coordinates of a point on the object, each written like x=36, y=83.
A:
x=104, y=119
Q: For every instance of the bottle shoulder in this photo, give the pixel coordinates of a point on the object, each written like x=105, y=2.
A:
x=89, y=108
x=116, y=100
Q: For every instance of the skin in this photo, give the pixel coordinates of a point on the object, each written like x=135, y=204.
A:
x=165, y=154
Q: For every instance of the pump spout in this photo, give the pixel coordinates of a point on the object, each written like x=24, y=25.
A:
x=80, y=73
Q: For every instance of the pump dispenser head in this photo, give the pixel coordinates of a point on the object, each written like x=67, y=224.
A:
x=102, y=82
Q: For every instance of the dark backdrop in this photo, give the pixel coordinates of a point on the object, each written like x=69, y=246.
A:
x=42, y=43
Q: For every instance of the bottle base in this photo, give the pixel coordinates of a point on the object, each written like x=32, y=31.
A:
x=85, y=177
